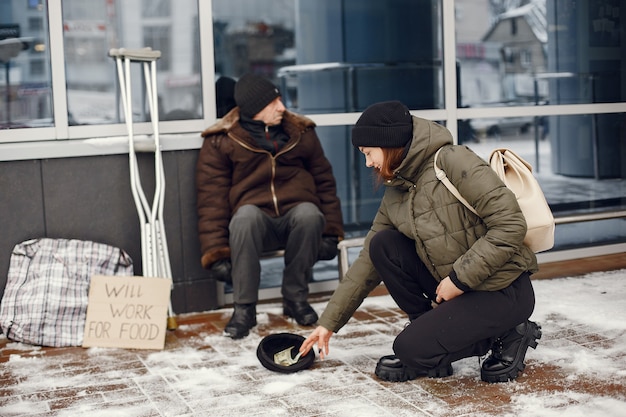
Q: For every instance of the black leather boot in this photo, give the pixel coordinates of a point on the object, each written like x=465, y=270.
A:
x=301, y=311
x=243, y=319
x=508, y=352
x=390, y=368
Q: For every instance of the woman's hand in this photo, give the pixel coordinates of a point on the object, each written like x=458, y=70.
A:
x=446, y=290
x=320, y=336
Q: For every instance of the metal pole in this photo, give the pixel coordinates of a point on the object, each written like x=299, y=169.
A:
x=8, y=98
x=595, y=145
x=536, y=123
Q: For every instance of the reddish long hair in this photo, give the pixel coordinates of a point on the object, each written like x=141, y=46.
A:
x=392, y=157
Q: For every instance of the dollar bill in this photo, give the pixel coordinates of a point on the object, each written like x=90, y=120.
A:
x=284, y=357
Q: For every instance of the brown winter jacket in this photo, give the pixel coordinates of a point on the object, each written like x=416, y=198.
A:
x=484, y=253
x=233, y=171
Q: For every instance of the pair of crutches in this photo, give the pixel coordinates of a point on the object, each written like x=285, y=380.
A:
x=154, y=251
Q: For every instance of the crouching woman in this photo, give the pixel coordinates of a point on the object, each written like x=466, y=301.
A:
x=462, y=279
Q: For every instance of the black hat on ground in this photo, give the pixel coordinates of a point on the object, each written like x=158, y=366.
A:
x=387, y=124
x=278, y=352
x=253, y=93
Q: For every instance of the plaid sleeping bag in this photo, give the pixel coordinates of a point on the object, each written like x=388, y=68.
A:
x=46, y=294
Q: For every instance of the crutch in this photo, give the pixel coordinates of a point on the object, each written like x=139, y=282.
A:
x=154, y=251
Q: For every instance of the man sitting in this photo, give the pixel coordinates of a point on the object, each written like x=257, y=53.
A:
x=264, y=183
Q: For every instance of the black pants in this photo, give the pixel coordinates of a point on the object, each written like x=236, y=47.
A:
x=253, y=232
x=462, y=327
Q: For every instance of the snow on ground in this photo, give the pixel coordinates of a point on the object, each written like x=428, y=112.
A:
x=593, y=304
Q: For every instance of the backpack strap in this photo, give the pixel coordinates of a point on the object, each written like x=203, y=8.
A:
x=441, y=176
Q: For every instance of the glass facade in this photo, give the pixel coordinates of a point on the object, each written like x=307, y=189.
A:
x=339, y=57
x=333, y=56
x=544, y=78
x=25, y=85
x=92, y=28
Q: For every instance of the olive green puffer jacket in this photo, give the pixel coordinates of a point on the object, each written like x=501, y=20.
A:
x=486, y=253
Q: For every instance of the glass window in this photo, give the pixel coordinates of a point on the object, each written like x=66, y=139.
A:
x=574, y=160
x=356, y=184
x=329, y=56
x=539, y=52
x=155, y=8
x=92, y=28
x=25, y=77
x=159, y=36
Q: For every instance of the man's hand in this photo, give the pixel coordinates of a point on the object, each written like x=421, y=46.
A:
x=328, y=248
x=320, y=336
x=446, y=290
x=220, y=271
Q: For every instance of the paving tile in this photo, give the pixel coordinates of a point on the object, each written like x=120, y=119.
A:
x=202, y=373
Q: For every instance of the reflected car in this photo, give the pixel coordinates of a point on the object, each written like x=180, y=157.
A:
x=505, y=125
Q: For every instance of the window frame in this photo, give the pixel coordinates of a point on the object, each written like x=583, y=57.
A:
x=62, y=140
x=184, y=134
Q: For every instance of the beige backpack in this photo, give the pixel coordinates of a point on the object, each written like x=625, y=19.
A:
x=517, y=175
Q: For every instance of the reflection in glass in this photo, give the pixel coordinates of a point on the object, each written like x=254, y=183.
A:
x=565, y=168
x=335, y=56
x=91, y=28
x=513, y=53
x=25, y=82
x=539, y=52
x=356, y=184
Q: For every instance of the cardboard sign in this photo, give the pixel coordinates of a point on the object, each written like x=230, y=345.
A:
x=127, y=312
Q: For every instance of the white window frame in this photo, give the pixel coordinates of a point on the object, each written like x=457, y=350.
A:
x=51, y=142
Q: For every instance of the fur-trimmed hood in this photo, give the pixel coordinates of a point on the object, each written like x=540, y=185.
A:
x=226, y=124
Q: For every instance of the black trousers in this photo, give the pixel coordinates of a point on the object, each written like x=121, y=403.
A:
x=253, y=232
x=462, y=327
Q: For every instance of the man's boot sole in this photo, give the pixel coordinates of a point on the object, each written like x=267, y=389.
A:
x=531, y=335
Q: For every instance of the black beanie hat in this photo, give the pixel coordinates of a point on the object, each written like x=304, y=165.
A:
x=383, y=125
x=253, y=93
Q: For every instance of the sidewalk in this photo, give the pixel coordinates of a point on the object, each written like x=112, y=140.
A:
x=578, y=369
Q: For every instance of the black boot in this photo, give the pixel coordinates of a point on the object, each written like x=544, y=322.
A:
x=390, y=368
x=243, y=319
x=508, y=352
x=301, y=311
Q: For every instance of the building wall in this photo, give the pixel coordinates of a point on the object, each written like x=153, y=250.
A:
x=57, y=198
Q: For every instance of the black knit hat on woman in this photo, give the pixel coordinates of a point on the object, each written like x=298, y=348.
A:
x=387, y=124
x=253, y=93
